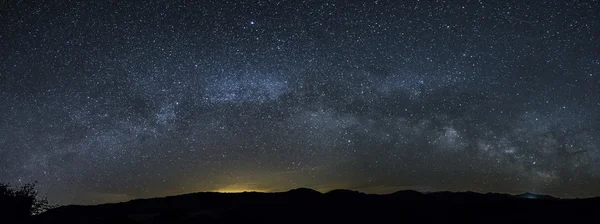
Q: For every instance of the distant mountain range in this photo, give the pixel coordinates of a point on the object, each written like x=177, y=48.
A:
x=305, y=205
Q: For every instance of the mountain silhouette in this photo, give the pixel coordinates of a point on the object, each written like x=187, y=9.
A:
x=304, y=191
x=304, y=205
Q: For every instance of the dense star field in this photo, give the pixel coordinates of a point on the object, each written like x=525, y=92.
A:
x=104, y=101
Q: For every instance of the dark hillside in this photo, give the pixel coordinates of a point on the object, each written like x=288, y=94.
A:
x=337, y=206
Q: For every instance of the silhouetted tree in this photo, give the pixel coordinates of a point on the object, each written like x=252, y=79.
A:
x=20, y=203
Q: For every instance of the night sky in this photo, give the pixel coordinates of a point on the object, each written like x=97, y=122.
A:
x=104, y=101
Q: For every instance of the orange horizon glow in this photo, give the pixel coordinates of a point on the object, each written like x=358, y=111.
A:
x=237, y=190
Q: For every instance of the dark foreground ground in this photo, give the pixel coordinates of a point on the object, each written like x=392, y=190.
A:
x=339, y=206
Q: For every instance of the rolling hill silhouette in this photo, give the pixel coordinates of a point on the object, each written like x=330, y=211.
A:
x=305, y=205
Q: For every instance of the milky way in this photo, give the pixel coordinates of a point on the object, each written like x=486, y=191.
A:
x=104, y=101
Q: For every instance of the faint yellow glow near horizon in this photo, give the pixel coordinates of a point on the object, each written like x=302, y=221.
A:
x=238, y=188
